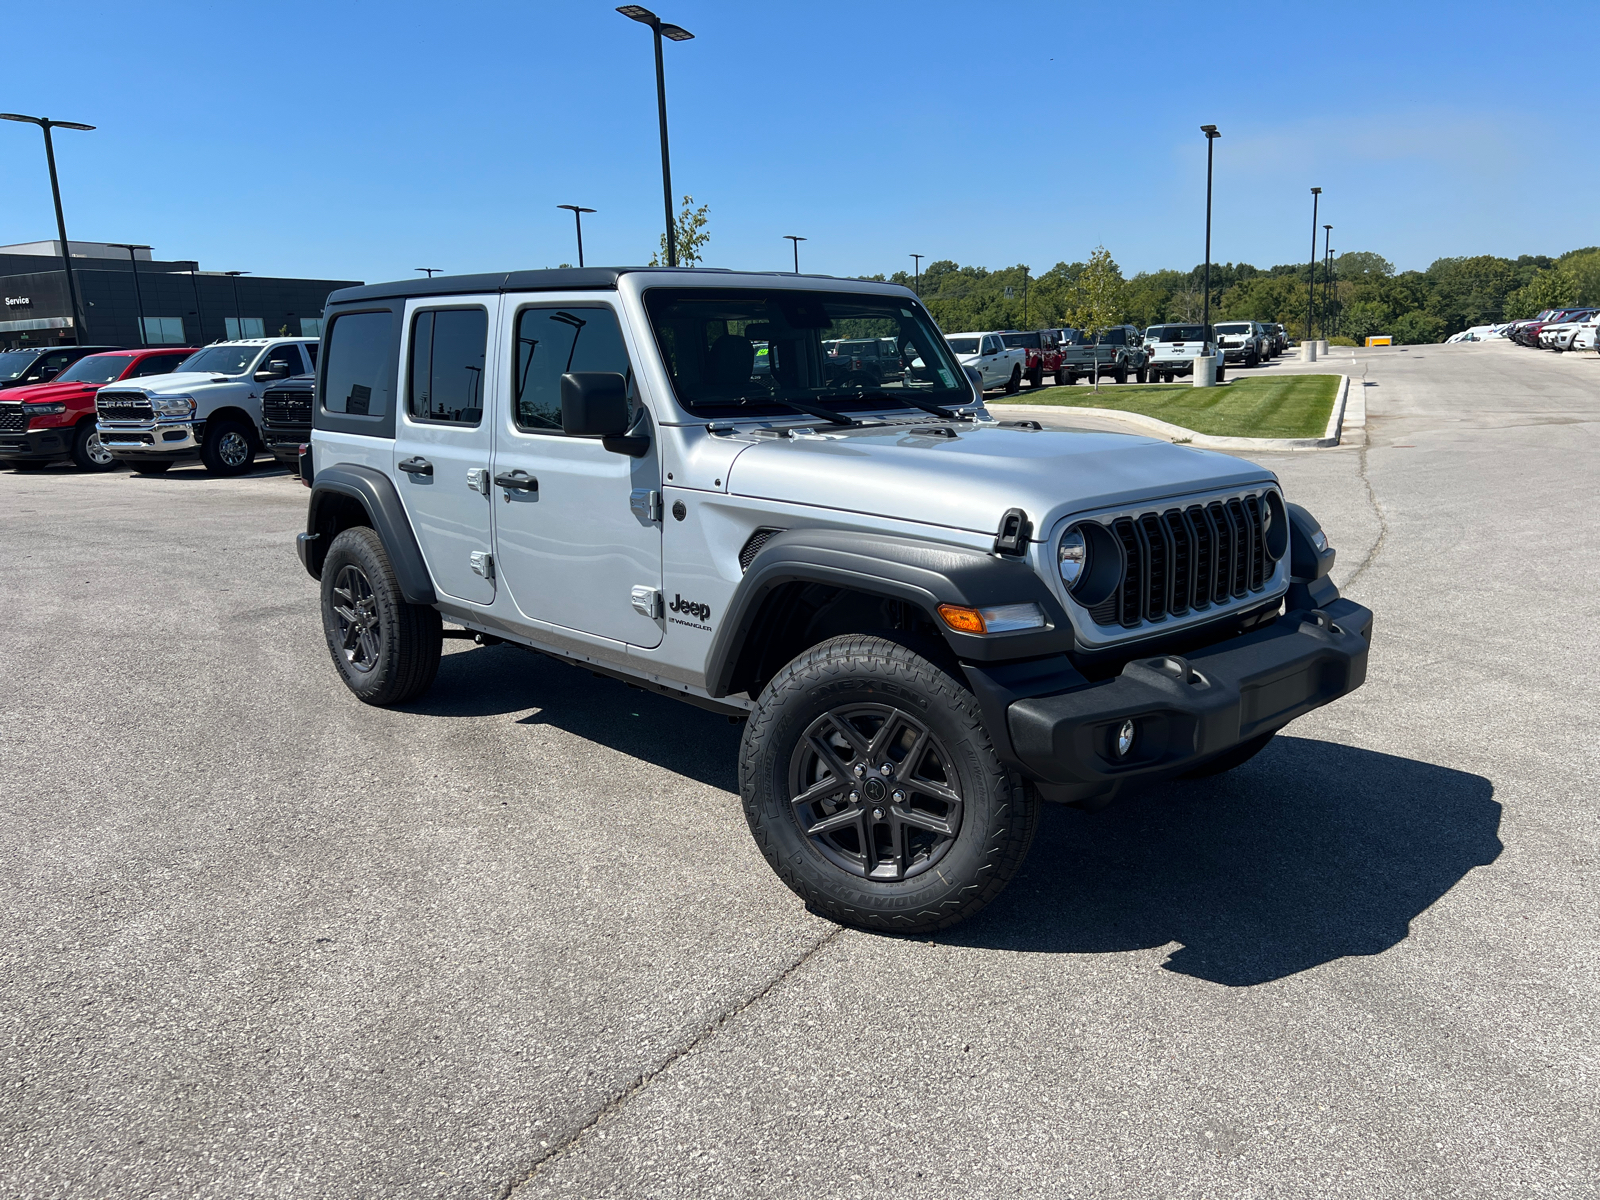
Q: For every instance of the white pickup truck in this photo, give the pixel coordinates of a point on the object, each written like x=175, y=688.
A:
x=999, y=365
x=1173, y=349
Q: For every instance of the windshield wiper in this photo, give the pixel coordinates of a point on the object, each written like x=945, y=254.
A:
x=925, y=406
x=813, y=410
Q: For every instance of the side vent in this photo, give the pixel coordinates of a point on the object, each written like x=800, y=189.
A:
x=752, y=547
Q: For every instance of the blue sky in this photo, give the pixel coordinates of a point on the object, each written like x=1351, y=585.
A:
x=356, y=139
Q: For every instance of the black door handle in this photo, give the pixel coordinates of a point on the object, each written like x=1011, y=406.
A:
x=417, y=466
x=519, y=481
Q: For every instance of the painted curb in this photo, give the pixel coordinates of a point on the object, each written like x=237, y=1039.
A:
x=1177, y=433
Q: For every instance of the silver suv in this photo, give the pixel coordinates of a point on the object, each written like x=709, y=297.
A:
x=928, y=620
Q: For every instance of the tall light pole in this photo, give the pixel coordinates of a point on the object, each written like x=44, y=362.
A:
x=138, y=296
x=916, y=277
x=431, y=271
x=1327, y=275
x=1311, y=296
x=674, y=33
x=577, y=215
x=199, y=313
x=238, y=317
x=1211, y=138
x=80, y=313
x=796, y=240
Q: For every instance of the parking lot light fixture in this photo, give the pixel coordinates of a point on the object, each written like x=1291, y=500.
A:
x=675, y=33
x=80, y=313
x=577, y=212
x=1311, y=295
x=1327, y=276
x=916, y=273
x=138, y=296
x=431, y=271
x=1211, y=137
x=796, y=240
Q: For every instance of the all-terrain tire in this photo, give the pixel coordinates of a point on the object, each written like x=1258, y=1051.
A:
x=1036, y=377
x=1120, y=374
x=1014, y=384
x=385, y=649
x=1142, y=375
x=87, y=452
x=229, y=448
x=1072, y=379
x=150, y=468
x=1229, y=759
x=1062, y=378
x=927, y=716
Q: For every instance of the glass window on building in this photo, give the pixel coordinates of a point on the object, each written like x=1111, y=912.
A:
x=245, y=327
x=163, y=331
x=310, y=326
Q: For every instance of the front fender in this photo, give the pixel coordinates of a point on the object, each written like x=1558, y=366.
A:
x=375, y=493
x=923, y=573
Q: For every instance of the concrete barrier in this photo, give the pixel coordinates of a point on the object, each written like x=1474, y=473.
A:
x=1205, y=371
x=1308, y=352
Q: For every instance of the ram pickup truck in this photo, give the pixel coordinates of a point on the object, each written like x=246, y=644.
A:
x=46, y=422
x=1043, y=348
x=997, y=364
x=210, y=410
x=41, y=364
x=928, y=622
x=286, y=419
x=1173, y=349
x=1114, y=354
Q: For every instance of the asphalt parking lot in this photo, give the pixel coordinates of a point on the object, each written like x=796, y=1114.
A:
x=261, y=940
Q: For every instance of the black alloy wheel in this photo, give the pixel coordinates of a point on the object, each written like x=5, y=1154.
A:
x=356, y=609
x=874, y=790
x=386, y=649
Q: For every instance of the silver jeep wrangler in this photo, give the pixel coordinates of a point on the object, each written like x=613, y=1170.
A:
x=930, y=621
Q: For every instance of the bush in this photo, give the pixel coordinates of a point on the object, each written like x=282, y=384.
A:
x=1342, y=341
x=1417, y=328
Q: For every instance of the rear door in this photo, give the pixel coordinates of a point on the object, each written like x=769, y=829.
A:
x=577, y=526
x=442, y=441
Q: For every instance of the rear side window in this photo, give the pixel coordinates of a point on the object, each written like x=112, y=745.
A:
x=447, y=359
x=553, y=341
x=158, y=364
x=358, y=374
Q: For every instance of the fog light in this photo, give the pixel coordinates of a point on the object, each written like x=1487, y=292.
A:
x=1125, y=738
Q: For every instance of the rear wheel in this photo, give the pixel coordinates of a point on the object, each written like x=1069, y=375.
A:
x=1142, y=374
x=1071, y=379
x=1036, y=377
x=386, y=650
x=1121, y=373
x=88, y=453
x=874, y=792
x=1014, y=384
x=229, y=448
x=1062, y=378
x=151, y=468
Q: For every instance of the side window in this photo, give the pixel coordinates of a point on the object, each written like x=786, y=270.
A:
x=445, y=382
x=553, y=341
x=311, y=352
x=358, y=368
x=288, y=355
x=1112, y=337
x=156, y=364
x=52, y=365
x=989, y=345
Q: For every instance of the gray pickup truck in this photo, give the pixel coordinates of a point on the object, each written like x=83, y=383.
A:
x=928, y=621
x=1118, y=352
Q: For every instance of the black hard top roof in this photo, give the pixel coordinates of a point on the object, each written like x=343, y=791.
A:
x=548, y=280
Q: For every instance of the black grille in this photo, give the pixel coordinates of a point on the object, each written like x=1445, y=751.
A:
x=1187, y=559
x=287, y=408
x=752, y=547
x=123, y=407
x=117, y=437
x=11, y=419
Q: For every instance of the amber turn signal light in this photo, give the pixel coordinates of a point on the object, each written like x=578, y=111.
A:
x=963, y=620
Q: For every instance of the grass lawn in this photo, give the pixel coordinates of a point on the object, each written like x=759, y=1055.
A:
x=1288, y=406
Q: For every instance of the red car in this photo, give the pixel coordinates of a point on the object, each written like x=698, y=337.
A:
x=45, y=422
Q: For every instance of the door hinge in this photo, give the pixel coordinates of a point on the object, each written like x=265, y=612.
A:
x=647, y=602
x=483, y=563
x=478, y=479
x=646, y=503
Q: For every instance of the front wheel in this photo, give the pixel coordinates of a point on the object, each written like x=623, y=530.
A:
x=229, y=448
x=87, y=452
x=1014, y=384
x=386, y=650
x=873, y=790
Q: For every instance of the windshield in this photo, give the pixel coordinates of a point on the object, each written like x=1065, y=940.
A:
x=1026, y=341
x=14, y=362
x=221, y=360
x=96, y=368
x=960, y=345
x=709, y=336
x=1241, y=328
x=1180, y=333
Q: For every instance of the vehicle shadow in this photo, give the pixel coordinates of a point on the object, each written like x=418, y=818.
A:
x=491, y=681
x=1310, y=852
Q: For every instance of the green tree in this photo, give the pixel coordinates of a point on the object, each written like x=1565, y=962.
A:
x=1416, y=328
x=1362, y=319
x=1099, y=294
x=1548, y=289
x=689, y=228
x=1361, y=265
x=1584, y=267
x=1470, y=291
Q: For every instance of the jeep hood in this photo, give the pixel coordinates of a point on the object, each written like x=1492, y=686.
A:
x=970, y=480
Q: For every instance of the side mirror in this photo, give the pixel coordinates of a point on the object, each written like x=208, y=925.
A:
x=275, y=369
x=595, y=403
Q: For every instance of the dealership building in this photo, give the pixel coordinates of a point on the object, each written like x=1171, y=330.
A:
x=144, y=301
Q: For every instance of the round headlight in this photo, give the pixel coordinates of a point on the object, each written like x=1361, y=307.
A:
x=1072, y=556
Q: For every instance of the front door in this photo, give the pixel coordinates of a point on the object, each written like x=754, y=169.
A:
x=441, y=443
x=576, y=526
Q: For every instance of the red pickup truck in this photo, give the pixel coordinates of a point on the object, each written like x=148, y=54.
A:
x=45, y=422
x=1044, y=353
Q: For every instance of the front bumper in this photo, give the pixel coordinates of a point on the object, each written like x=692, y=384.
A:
x=36, y=445
x=1187, y=710
x=283, y=442
x=1235, y=353
x=152, y=439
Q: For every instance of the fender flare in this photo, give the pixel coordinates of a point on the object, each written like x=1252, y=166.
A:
x=923, y=573
x=376, y=494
